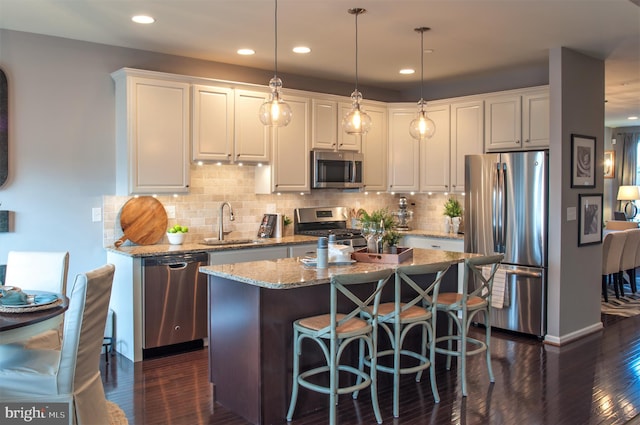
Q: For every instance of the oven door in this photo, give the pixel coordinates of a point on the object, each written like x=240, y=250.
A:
x=336, y=170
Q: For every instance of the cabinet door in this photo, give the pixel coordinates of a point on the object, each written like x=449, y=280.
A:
x=157, y=122
x=435, y=162
x=535, y=119
x=291, y=164
x=467, y=130
x=348, y=142
x=503, y=117
x=212, y=123
x=374, y=149
x=251, y=137
x=404, y=152
x=324, y=124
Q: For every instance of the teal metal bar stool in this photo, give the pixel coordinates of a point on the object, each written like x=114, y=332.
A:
x=462, y=309
x=335, y=331
x=416, y=292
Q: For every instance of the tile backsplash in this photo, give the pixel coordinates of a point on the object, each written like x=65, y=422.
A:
x=213, y=184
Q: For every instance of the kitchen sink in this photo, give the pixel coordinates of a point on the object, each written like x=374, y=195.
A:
x=216, y=241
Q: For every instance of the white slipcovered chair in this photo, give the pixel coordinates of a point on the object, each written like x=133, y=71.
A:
x=52, y=270
x=628, y=260
x=72, y=374
x=612, y=247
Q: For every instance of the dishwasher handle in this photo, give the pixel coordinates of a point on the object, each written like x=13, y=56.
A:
x=177, y=266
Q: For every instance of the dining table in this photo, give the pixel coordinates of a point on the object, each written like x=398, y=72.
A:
x=20, y=324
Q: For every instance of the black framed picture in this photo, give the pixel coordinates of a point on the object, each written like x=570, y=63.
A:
x=590, y=219
x=583, y=162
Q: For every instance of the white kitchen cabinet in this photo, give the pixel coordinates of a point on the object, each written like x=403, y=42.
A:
x=251, y=137
x=212, y=119
x=374, y=149
x=426, y=242
x=535, y=119
x=302, y=250
x=289, y=170
x=152, y=134
x=467, y=131
x=404, y=152
x=250, y=254
x=326, y=127
x=517, y=120
x=435, y=154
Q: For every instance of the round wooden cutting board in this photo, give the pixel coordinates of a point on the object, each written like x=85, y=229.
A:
x=143, y=221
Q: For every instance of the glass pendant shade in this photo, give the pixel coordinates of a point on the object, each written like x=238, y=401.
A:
x=422, y=127
x=274, y=111
x=357, y=121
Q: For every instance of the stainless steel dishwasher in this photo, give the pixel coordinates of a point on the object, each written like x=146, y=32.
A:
x=174, y=299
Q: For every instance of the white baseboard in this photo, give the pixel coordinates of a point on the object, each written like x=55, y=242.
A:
x=570, y=337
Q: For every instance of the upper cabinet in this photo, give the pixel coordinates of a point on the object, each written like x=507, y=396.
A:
x=435, y=153
x=467, y=129
x=326, y=127
x=404, y=151
x=152, y=134
x=290, y=166
x=517, y=120
x=374, y=149
x=212, y=122
x=251, y=140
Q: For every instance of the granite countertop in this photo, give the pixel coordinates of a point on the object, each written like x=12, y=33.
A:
x=289, y=273
x=163, y=249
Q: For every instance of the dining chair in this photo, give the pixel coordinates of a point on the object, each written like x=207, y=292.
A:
x=43, y=271
x=462, y=308
x=628, y=260
x=334, y=332
x=70, y=375
x=612, y=246
x=414, y=307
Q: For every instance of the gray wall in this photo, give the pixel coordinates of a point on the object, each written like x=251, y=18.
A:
x=577, y=107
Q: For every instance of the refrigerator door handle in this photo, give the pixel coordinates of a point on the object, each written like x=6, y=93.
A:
x=503, y=207
x=496, y=208
x=524, y=273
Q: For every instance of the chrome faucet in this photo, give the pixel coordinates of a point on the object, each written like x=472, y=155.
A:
x=221, y=220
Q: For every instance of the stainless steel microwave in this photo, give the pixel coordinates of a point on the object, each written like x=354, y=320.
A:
x=341, y=170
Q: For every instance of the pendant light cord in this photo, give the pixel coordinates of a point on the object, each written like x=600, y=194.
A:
x=275, y=66
x=357, y=13
x=421, y=63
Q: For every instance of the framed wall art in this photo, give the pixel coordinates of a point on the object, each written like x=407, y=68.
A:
x=590, y=219
x=583, y=165
x=609, y=164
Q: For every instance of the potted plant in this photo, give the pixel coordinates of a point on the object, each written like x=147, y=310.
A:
x=391, y=239
x=370, y=226
x=453, y=212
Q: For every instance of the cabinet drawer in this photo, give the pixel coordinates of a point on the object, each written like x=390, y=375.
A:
x=455, y=245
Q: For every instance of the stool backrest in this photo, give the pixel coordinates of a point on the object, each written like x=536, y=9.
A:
x=483, y=284
x=413, y=287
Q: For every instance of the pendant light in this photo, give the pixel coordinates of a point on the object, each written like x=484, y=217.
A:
x=422, y=127
x=356, y=121
x=275, y=112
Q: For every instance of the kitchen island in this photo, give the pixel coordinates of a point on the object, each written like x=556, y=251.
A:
x=252, y=307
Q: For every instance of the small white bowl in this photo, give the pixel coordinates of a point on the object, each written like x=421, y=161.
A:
x=176, y=238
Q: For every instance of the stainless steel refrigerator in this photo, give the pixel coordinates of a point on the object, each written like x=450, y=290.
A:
x=506, y=211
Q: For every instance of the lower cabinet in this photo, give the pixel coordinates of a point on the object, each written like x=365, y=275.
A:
x=246, y=255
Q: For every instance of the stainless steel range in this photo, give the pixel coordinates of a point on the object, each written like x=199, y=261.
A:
x=325, y=221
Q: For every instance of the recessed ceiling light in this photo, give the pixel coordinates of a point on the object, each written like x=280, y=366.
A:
x=143, y=19
x=301, y=49
x=407, y=71
x=632, y=118
x=246, y=52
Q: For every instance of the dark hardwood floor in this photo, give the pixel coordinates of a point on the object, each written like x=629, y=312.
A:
x=595, y=380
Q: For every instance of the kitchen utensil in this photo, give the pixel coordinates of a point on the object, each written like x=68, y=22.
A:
x=143, y=221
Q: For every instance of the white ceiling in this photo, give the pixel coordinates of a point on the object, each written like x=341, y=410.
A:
x=469, y=37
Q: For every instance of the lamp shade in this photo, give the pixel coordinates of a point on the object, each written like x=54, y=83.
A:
x=629, y=193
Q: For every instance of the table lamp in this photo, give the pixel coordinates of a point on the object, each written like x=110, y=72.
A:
x=629, y=194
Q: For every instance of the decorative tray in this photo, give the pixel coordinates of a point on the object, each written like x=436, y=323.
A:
x=363, y=256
